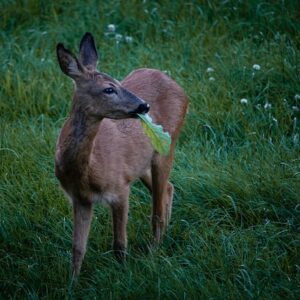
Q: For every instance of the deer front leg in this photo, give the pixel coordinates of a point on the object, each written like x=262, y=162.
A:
x=120, y=217
x=82, y=222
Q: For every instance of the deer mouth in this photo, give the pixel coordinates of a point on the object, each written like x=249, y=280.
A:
x=142, y=109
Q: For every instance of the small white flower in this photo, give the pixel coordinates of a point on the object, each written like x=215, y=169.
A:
x=128, y=39
x=267, y=105
x=244, y=101
x=295, y=108
x=210, y=70
x=119, y=37
x=211, y=79
x=275, y=120
x=111, y=27
x=256, y=67
x=297, y=97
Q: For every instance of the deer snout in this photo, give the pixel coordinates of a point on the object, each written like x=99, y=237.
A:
x=142, y=108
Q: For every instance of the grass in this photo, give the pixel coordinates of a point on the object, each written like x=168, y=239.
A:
x=234, y=231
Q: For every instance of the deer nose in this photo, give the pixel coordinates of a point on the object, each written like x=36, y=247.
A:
x=142, y=108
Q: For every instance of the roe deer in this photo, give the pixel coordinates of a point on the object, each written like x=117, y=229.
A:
x=102, y=148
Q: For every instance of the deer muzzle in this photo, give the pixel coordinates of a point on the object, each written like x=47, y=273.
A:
x=142, y=109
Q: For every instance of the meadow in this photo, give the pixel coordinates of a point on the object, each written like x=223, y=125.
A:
x=234, y=232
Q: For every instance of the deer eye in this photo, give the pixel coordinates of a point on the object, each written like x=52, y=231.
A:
x=108, y=91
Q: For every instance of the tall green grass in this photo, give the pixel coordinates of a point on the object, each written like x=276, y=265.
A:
x=235, y=225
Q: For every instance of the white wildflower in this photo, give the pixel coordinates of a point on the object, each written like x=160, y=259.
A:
x=128, y=39
x=210, y=70
x=244, y=101
x=275, y=120
x=267, y=105
x=256, y=67
x=111, y=27
x=297, y=97
x=295, y=108
x=211, y=79
x=119, y=37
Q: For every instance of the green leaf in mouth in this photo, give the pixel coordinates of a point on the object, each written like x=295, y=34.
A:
x=160, y=140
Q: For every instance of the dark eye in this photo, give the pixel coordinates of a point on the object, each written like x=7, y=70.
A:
x=108, y=91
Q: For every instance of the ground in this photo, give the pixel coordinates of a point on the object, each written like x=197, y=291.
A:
x=234, y=231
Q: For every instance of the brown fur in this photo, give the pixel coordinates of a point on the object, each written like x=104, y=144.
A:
x=97, y=158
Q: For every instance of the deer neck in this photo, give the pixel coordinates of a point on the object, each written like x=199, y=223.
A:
x=79, y=142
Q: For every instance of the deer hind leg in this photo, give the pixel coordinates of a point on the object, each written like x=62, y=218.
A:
x=82, y=221
x=147, y=181
x=169, y=202
x=120, y=218
x=162, y=195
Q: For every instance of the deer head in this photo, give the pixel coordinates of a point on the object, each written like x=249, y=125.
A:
x=97, y=94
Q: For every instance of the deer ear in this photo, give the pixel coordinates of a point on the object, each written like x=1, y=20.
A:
x=88, y=52
x=68, y=63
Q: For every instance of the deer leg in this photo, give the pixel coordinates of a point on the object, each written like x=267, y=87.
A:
x=169, y=202
x=162, y=195
x=82, y=221
x=147, y=180
x=120, y=217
